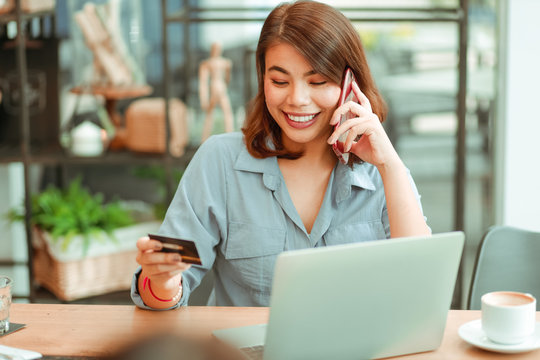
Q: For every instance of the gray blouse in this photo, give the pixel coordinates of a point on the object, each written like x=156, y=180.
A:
x=238, y=210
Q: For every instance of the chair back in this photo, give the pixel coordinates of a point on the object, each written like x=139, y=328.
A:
x=508, y=259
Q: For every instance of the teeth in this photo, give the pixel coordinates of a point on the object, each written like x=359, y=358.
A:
x=301, y=118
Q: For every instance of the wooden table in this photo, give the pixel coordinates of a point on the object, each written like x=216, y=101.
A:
x=98, y=330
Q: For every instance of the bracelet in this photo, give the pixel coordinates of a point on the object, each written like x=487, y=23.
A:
x=175, y=298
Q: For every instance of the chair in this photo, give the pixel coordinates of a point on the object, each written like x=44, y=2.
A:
x=508, y=259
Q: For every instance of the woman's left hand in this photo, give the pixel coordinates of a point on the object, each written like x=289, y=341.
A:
x=374, y=146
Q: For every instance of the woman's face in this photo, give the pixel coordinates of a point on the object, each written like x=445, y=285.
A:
x=300, y=100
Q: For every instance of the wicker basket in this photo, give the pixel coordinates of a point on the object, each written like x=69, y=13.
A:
x=84, y=277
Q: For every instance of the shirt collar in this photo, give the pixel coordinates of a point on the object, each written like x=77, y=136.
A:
x=267, y=166
x=346, y=178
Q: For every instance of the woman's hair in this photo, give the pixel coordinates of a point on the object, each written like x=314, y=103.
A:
x=329, y=42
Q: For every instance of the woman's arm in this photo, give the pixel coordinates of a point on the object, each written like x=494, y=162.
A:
x=197, y=213
x=404, y=213
x=374, y=146
x=160, y=281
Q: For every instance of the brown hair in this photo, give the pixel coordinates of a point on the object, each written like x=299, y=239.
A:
x=329, y=42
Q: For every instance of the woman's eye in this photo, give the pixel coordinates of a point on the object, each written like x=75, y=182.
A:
x=277, y=82
x=318, y=83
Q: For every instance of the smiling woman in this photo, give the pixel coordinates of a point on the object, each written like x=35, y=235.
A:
x=278, y=185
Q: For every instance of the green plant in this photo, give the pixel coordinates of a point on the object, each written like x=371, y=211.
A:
x=66, y=213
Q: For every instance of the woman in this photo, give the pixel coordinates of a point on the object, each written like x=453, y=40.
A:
x=244, y=198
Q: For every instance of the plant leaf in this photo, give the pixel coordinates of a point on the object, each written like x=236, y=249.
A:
x=75, y=211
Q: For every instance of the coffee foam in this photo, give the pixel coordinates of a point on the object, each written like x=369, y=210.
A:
x=505, y=298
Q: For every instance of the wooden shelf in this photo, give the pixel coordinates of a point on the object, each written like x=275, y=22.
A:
x=10, y=153
x=55, y=155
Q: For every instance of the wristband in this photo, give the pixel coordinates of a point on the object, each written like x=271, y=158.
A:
x=175, y=298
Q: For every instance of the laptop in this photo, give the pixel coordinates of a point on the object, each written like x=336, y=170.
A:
x=357, y=301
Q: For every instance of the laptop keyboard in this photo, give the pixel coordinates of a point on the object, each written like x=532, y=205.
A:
x=253, y=352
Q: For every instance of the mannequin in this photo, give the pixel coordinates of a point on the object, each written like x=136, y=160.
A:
x=214, y=75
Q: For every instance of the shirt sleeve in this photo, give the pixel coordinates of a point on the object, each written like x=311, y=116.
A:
x=197, y=212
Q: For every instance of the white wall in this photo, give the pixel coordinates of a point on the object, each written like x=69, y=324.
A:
x=517, y=163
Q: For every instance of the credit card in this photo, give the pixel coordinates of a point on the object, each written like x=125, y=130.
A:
x=186, y=248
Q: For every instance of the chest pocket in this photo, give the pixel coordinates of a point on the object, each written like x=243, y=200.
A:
x=349, y=233
x=251, y=252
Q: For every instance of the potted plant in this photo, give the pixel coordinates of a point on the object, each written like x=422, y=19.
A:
x=82, y=245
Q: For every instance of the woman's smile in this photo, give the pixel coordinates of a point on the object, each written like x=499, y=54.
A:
x=299, y=121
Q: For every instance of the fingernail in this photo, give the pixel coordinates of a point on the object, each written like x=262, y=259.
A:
x=177, y=257
x=157, y=246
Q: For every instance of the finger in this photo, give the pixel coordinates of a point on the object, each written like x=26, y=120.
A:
x=362, y=98
x=149, y=258
x=165, y=270
x=347, y=125
x=145, y=243
x=343, y=128
x=179, y=271
x=350, y=106
x=351, y=137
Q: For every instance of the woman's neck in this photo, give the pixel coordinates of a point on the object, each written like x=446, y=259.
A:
x=315, y=152
x=314, y=156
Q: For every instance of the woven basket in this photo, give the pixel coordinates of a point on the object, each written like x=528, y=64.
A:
x=89, y=276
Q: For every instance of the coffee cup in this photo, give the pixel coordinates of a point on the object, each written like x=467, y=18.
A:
x=508, y=317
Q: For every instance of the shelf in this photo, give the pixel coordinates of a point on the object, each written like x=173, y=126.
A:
x=54, y=155
x=9, y=17
x=10, y=153
x=123, y=157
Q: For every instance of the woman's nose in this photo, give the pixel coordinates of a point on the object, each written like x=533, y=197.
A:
x=299, y=94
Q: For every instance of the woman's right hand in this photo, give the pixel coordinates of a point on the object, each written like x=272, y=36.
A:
x=163, y=270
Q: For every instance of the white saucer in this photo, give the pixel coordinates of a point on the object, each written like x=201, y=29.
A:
x=472, y=333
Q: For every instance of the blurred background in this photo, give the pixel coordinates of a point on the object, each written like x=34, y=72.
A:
x=441, y=65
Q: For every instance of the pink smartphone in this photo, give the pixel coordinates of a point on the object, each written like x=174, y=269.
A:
x=347, y=94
